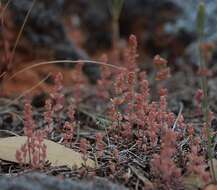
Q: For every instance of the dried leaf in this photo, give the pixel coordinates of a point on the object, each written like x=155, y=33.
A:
x=193, y=182
x=214, y=161
x=210, y=187
x=57, y=154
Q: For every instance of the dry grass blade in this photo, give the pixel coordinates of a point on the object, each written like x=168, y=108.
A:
x=20, y=32
x=62, y=61
x=29, y=90
x=4, y=9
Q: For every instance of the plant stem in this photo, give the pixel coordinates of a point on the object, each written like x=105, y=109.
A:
x=204, y=86
x=205, y=107
x=116, y=8
x=115, y=32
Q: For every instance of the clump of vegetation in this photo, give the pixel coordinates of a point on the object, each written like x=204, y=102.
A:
x=139, y=141
x=139, y=135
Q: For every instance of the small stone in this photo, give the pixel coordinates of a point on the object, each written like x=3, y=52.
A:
x=38, y=181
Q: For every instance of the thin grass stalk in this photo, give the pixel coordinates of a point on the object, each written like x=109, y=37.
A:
x=20, y=32
x=40, y=64
x=204, y=86
x=10, y=61
x=116, y=8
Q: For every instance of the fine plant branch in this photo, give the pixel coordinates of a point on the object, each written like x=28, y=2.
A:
x=2, y=23
x=9, y=132
x=4, y=9
x=20, y=33
x=63, y=61
x=3, y=74
x=29, y=90
x=204, y=86
x=178, y=117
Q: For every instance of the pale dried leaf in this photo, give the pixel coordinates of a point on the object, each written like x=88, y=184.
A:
x=193, y=182
x=57, y=154
x=210, y=187
x=214, y=161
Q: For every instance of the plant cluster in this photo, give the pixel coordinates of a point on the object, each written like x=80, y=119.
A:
x=33, y=151
x=138, y=130
x=143, y=144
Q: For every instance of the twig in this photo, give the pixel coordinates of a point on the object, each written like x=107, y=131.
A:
x=9, y=132
x=145, y=180
x=20, y=32
x=63, y=61
x=178, y=117
x=61, y=140
x=29, y=90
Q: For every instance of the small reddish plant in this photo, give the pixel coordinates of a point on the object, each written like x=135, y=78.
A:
x=100, y=145
x=84, y=145
x=140, y=129
x=68, y=132
x=69, y=126
x=57, y=94
x=104, y=83
x=48, y=116
x=33, y=151
x=204, y=72
x=150, y=124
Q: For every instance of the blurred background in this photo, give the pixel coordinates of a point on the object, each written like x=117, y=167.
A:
x=85, y=29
